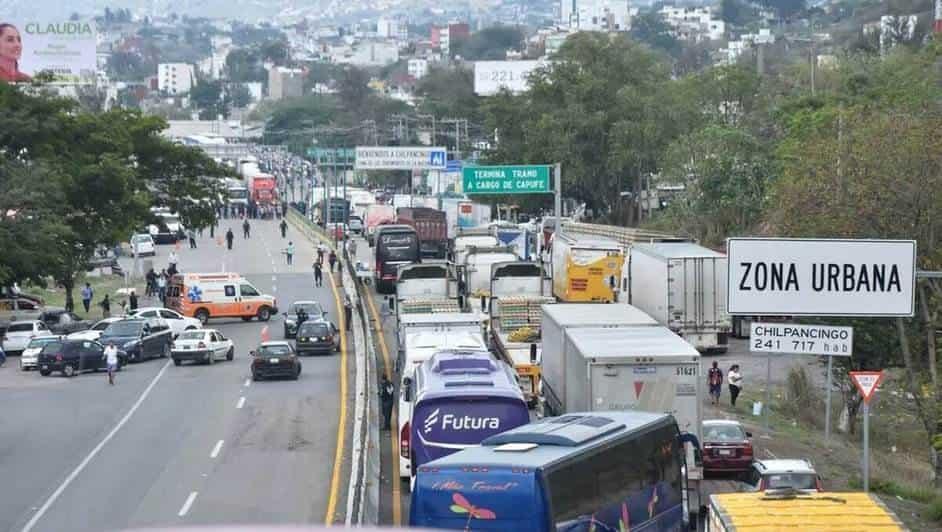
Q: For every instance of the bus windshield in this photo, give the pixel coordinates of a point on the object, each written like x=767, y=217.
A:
x=398, y=247
x=503, y=500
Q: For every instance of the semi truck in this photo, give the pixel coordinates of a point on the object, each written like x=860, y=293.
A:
x=515, y=311
x=683, y=286
x=586, y=269
x=375, y=216
x=475, y=269
x=430, y=225
x=773, y=511
x=263, y=190
x=425, y=288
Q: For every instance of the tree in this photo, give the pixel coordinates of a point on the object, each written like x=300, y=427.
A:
x=207, y=96
x=239, y=95
x=735, y=12
x=275, y=51
x=244, y=64
x=651, y=29
x=353, y=89
x=100, y=172
x=488, y=44
x=449, y=92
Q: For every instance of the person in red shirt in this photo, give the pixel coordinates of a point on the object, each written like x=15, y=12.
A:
x=11, y=48
x=715, y=380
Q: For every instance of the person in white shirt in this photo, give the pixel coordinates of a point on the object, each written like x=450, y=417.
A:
x=172, y=259
x=734, y=377
x=111, y=358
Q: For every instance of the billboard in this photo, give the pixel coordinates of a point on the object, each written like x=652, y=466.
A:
x=491, y=76
x=821, y=277
x=64, y=48
x=400, y=158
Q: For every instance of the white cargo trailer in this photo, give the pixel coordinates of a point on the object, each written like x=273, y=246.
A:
x=683, y=286
x=560, y=317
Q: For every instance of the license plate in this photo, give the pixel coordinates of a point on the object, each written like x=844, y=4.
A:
x=273, y=360
x=726, y=452
x=45, y=366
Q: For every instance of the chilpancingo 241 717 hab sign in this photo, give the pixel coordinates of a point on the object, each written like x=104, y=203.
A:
x=821, y=277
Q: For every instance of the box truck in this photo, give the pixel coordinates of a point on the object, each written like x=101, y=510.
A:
x=586, y=269
x=682, y=286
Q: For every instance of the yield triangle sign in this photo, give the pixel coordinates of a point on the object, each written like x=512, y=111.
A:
x=866, y=382
x=639, y=385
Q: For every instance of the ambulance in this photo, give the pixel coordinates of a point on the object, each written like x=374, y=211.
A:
x=218, y=295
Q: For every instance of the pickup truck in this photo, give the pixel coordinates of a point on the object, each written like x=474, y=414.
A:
x=139, y=339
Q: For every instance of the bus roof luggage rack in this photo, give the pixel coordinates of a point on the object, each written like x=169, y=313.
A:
x=565, y=431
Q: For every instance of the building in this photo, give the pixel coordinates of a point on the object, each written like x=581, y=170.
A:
x=285, y=82
x=175, y=78
x=443, y=36
x=390, y=28
x=418, y=68
x=596, y=15
x=369, y=54
x=693, y=24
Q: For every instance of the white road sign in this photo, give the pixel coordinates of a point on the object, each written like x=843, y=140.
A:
x=400, y=158
x=821, y=277
x=801, y=339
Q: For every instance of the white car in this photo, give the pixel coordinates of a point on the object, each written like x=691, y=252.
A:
x=142, y=245
x=19, y=333
x=203, y=346
x=29, y=358
x=177, y=322
x=94, y=332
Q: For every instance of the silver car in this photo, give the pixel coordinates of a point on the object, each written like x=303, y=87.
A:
x=19, y=333
x=29, y=358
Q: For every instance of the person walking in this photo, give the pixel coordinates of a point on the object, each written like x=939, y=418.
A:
x=132, y=300
x=212, y=229
x=332, y=259
x=284, y=227
x=229, y=238
x=734, y=378
x=162, y=287
x=3, y=357
x=172, y=260
x=246, y=229
x=191, y=234
x=715, y=380
x=289, y=252
x=111, y=360
x=320, y=252
x=318, y=274
x=151, y=288
x=105, y=305
x=386, y=396
x=87, y=295
x=347, y=312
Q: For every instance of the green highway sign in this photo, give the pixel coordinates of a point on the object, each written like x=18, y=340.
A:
x=506, y=179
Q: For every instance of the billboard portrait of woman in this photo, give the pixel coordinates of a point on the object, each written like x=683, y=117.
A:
x=11, y=48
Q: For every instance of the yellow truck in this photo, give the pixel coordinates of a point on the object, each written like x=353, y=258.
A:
x=799, y=511
x=586, y=269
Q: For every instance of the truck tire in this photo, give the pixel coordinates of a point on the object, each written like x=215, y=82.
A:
x=202, y=315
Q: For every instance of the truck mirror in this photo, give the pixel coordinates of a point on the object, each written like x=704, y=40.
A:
x=483, y=303
x=611, y=281
x=698, y=457
x=532, y=353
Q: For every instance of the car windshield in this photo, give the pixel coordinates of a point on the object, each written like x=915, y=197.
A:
x=723, y=433
x=312, y=309
x=314, y=329
x=40, y=342
x=20, y=327
x=192, y=335
x=124, y=328
x=274, y=350
x=798, y=481
x=141, y=238
x=101, y=326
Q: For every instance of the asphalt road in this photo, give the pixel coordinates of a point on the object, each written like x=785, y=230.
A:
x=171, y=446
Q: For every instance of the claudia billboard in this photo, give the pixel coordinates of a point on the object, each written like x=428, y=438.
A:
x=65, y=49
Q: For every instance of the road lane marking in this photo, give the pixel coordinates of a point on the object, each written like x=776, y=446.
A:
x=241, y=402
x=342, y=422
x=78, y=469
x=216, y=449
x=394, y=416
x=186, y=505
x=248, y=382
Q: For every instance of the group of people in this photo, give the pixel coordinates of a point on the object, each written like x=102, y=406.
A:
x=157, y=283
x=319, y=263
x=715, y=380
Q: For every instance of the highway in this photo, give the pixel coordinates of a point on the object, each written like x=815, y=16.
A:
x=170, y=446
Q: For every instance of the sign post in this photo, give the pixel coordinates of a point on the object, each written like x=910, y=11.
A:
x=789, y=338
x=866, y=382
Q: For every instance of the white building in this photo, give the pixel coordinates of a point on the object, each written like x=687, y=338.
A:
x=175, y=78
x=418, y=68
x=736, y=48
x=390, y=28
x=693, y=23
x=285, y=82
x=369, y=54
x=596, y=15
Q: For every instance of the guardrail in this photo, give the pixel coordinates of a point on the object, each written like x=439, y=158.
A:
x=363, y=487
